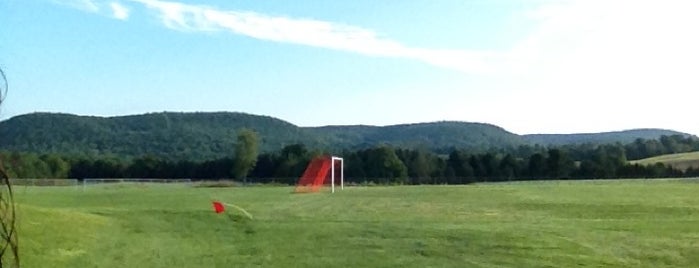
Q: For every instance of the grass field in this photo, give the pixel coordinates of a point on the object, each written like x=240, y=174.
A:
x=681, y=161
x=639, y=223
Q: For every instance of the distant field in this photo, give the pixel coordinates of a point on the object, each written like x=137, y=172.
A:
x=634, y=223
x=679, y=161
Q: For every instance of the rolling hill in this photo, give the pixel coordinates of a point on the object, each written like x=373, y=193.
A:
x=201, y=136
x=436, y=136
x=168, y=135
x=212, y=135
x=626, y=136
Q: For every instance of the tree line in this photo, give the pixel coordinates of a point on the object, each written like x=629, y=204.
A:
x=381, y=164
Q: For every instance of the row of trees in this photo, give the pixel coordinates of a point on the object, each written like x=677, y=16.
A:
x=643, y=148
x=382, y=164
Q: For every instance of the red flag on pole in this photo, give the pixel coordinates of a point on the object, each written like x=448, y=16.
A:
x=218, y=207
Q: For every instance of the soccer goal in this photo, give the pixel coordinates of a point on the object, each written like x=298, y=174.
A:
x=322, y=170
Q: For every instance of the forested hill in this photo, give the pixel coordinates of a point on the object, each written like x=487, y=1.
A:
x=623, y=137
x=200, y=136
x=439, y=136
x=194, y=136
x=205, y=136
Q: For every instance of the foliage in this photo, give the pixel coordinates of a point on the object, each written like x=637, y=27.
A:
x=179, y=145
x=208, y=136
x=245, y=153
x=382, y=164
x=172, y=136
x=600, y=138
x=673, y=144
x=437, y=136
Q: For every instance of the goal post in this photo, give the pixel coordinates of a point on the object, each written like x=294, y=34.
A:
x=322, y=170
x=332, y=173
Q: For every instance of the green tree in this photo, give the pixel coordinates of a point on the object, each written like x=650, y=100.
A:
x=458, y=164
x=22, y=165
x=537, y=166
x=59, y=168
x=508, y=168
x=558, y=165
x=246, y=150
x=354, y=167
x=143, y=167
x=383, y=163
x=419, y=163
x=292, y=161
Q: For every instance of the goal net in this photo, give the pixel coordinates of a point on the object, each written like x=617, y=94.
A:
x=322, y=170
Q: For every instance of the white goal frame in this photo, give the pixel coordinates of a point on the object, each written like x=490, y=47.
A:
x=332, y=173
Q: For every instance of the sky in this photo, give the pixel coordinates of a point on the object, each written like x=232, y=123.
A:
x=533, y=66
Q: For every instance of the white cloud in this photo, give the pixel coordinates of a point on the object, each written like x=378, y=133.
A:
x=572, y=38
x=119, y=11
x=311, y=32
x=112, y=9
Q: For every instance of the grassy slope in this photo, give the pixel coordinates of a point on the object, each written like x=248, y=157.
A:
x=680, y=160
x=554, y=224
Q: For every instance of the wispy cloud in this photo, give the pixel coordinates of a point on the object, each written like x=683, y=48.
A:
x=84, y=5
x=310, y=32
x=572, y=37
x=112, y=9
x=119, y=11
x=301, y=31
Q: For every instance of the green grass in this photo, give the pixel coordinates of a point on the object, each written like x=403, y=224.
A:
x=638, y=223
x=681, y=161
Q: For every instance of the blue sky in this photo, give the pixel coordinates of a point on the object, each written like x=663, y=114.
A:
x=528, y=66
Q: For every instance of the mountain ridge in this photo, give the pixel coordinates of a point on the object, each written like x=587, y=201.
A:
x=622, y=136
x=209, y=135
